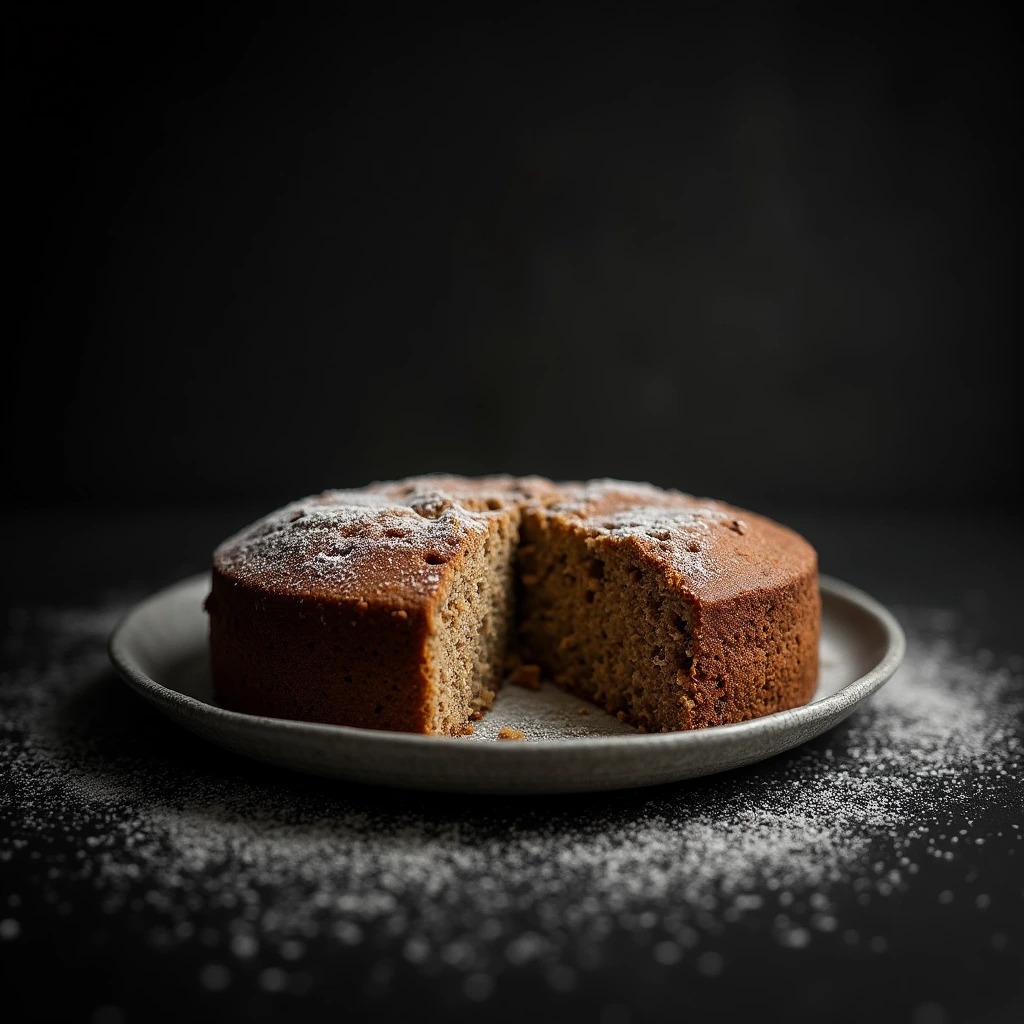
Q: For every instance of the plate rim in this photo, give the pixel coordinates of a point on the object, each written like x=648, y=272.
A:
x=832, y=707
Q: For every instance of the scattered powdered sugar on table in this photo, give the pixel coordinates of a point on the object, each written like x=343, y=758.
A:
x=160, y=831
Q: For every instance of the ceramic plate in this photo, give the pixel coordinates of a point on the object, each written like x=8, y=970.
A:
x=160, y=648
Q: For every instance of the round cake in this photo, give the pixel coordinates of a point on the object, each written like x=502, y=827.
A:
x=403, y=605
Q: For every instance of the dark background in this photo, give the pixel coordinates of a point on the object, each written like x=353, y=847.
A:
x=765, y=254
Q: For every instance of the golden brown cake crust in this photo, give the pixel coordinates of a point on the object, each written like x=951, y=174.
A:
x=326, y=609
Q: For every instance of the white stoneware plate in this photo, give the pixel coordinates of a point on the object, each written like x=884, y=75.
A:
x=160, y=648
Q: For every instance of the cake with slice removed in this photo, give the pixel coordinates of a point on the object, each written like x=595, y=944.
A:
x=400, y=605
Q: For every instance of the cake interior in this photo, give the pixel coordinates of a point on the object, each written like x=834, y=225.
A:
x=467, y=651
x=586, y=610
x=603, y=626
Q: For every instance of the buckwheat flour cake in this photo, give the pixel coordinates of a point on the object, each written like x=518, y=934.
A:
x=400, y=605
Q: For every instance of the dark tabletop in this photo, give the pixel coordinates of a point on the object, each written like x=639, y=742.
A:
x=877, y=872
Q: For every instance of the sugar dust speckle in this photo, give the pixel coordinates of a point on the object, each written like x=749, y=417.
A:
x=250, y=869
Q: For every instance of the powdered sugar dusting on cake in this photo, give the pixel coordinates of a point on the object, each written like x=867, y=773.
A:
x=679, y=536
x=330, y=540
x=275, y=864
x=679, y=530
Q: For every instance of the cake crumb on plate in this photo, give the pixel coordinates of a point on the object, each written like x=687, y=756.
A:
x=526, y=676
